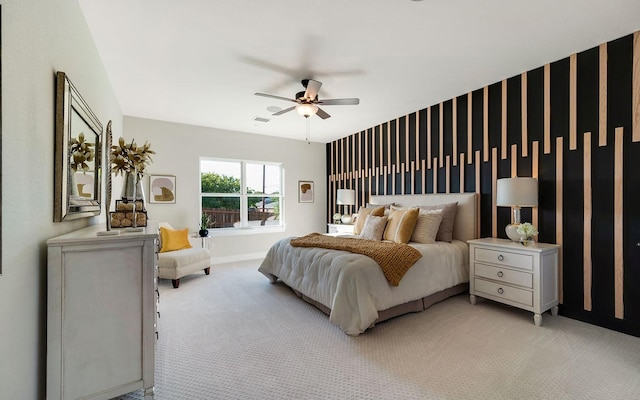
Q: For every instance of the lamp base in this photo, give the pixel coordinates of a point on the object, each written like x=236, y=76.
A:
x=512, y=232
x=346, y=219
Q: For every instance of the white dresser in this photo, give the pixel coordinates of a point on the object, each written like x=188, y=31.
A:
x=101, y=310
x=341, y=229
x=521, y=276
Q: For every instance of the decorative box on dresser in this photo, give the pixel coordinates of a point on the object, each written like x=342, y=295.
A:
x=341, y=229
x=521, y=276
x=101, y=314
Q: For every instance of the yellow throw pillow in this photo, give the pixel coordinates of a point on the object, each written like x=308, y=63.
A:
x=362, y=217
x=400, y=225
x=172, y=240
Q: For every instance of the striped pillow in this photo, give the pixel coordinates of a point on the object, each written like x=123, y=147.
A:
x=400, y=225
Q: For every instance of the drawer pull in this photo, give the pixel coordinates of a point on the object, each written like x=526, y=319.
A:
x=500, y=257
x=500, y=274
x=500, y=291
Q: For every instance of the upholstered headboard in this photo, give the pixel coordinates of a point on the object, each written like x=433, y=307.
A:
x=466, y=225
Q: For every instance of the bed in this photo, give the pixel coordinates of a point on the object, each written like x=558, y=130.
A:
x=352, y=289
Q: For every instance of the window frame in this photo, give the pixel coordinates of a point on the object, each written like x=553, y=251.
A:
x=245, y=226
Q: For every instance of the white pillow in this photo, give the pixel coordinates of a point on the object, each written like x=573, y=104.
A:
x=427, y=226
x=373, y=227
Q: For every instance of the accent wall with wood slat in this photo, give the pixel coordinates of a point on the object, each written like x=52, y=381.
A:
x=573, y=124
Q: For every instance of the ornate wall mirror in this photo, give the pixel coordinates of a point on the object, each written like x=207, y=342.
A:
x=78, y=155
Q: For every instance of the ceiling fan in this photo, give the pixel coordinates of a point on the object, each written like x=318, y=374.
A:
x=308, y=100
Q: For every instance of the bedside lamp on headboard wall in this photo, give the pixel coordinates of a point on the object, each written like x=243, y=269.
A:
x=346, y=197
x=516, y=193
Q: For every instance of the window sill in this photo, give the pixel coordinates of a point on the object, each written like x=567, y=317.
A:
x=246, y=231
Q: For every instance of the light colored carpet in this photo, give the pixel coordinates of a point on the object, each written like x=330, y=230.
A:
x=232, y=335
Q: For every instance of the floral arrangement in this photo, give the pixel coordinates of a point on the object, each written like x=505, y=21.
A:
x=527, y=230
x=81, y=153
x=130, y=157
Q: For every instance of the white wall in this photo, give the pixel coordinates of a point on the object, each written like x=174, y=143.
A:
x=178, y=148
x=39, y=38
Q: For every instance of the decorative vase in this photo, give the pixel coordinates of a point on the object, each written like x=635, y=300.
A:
x=132, y=187
x=528, y=241
x=203, y=232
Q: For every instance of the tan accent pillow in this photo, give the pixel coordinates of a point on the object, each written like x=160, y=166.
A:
x=427, y=226
x=400, y=225
x=362, y=217
x=445, y=232
x=174, y=239
x=373, y=227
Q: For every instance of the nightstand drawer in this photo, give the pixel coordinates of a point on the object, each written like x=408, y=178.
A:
x=506, y=292
x=504, y=275
x=524, y=261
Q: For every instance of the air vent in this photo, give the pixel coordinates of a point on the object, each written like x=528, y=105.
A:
x=260, y=119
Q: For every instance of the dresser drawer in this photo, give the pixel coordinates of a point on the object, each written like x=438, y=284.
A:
x=504, y=275
x=506, y=292
x=524, y=261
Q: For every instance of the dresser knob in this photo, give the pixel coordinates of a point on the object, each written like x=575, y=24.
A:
x=500, y=257
x=500, y=290
x=500, y=274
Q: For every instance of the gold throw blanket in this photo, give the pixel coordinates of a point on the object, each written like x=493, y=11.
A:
x=394, y=259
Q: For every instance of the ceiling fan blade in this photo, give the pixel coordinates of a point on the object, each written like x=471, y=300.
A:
x=322, y=114
x=312, y=89
x=274, y=97
x=339, y=102
x=286, y=110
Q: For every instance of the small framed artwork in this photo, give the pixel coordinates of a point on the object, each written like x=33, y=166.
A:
x=162, y=189
x=305, y=191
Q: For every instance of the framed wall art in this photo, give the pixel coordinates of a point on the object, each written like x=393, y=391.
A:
x=162, y=189
x=305, y=191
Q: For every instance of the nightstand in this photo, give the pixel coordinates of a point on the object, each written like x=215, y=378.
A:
x=521, y=276
x=341, y=229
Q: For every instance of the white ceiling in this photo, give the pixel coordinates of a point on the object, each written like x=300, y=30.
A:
x=200, y=62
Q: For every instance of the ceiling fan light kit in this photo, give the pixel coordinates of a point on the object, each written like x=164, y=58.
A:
x=307, y=101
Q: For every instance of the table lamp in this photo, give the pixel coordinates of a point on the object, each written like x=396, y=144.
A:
x=516, y=193
x=346, y=197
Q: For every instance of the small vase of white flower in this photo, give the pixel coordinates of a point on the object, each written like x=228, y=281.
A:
x=527, y=232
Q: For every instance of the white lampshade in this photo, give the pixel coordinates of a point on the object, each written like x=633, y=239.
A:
x=306, y=109
x=518, y=192
x=346, y=197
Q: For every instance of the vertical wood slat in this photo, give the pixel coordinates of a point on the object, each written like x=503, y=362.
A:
x=418, y=140
x=524, y=114
x=366, y=155
x=547, y=108
x=618, y=224
x=485, y=123
x=477, y=166
x=559, y=205
x=413, y=177
x=602, y=129
x=424, y=176
x=447, y=175
x=503, y=146
x=454, y=133
x=469, y=128
x=434, y=171
x=385, y=176
x=397, y=144
x=462, y=167
x=407, y=157
x=494, y=184
x=381, y=148
x=636, y=88
x=441, y=135
x=392, y=171
x=429, y=137
x=586, y=256
x=514, y=162
x=573, y=102
x=389, y=146
x=333, y=173
x=535, y=157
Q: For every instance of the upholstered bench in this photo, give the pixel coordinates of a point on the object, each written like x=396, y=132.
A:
x=177, y=257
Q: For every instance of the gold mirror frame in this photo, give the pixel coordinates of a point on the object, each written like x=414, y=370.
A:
x=76, y=179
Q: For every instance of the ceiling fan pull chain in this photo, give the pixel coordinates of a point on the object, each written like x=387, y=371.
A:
x=308, y=141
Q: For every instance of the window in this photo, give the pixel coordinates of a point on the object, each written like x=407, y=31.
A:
x=241, y=194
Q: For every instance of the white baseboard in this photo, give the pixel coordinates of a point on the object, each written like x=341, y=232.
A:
x=239, y=257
